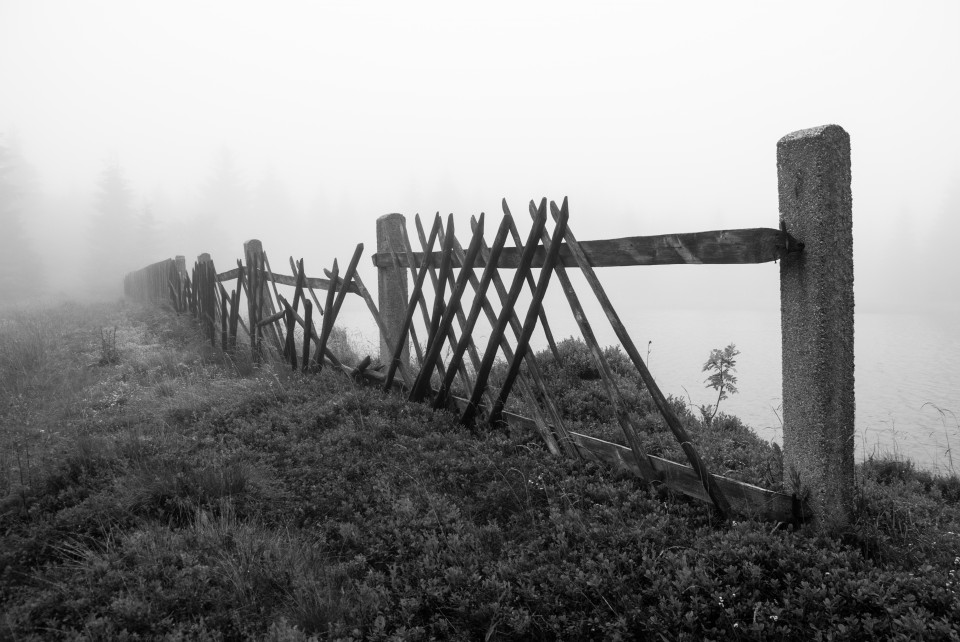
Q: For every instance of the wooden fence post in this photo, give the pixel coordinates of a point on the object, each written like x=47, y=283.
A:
x=180, y=265
x=206, y=298
x=257, y=289
x=392, y=288
x=816, y=301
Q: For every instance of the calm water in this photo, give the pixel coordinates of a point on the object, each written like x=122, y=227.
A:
x=907, y=365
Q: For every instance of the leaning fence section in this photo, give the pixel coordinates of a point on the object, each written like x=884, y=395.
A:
x=447, y=299
x=435, y=300
x=449, y=325
x=813, y=244
x=242, y=309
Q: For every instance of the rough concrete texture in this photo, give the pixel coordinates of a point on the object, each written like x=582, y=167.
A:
x=816, y=301
x=392, y=288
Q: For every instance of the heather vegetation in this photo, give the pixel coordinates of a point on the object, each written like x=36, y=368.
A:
x=152, y=489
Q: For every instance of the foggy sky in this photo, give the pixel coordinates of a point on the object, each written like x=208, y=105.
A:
x=652, y=117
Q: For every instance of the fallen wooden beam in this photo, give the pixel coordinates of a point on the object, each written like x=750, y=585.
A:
x=746, y=500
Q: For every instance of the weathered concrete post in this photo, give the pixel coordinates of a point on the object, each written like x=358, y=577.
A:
x=816, y=303
x=392, y=288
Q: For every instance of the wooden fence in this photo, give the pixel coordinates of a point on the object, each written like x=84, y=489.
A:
x=816, y=292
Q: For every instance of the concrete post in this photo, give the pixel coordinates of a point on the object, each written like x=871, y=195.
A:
x=816, y=303
x=392, y=288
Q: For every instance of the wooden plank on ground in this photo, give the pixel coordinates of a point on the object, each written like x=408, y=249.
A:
x=746, y=500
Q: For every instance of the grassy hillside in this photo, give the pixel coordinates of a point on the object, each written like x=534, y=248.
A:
x=150, y=489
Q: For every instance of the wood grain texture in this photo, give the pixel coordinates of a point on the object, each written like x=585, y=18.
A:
x=327, y=325
x=468, y=417
x=313, y=335
x=422, y=385
x=533, y=313
x=606, y=375
x=533, y=369
x=465, y=377
x=313, y=295
x=283, y=279
x=479, y=299
x=713, y=490
x=544, y=323
x=754, y=245
x=415, y=297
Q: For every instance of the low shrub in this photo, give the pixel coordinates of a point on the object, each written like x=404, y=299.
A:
x=305, y=507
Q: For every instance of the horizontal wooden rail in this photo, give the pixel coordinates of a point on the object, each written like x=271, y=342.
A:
x=283, y=279
x=756, y=245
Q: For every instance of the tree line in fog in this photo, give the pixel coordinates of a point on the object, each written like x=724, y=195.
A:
x=108, y=228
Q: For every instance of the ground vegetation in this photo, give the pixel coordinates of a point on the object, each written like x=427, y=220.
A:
x=163, y=491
